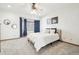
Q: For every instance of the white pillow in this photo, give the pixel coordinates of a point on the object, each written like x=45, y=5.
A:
x=46, y=31
x=52, y=31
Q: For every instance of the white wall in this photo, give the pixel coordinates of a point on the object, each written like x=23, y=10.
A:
x=68, y=21
x=6, y=31
x=44, y=24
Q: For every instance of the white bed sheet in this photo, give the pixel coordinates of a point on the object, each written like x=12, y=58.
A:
x=42, y=39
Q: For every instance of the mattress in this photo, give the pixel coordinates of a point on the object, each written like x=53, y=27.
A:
x=42, y=39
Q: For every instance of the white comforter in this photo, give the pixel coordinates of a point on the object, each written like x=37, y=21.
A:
x=42, y=39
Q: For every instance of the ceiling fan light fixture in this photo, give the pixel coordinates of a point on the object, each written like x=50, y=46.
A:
x=33, y=6
x=34, y=12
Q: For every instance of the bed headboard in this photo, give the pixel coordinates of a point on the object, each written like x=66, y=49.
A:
x=56, y=31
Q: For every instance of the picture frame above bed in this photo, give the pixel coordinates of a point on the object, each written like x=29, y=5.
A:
x=53, y=20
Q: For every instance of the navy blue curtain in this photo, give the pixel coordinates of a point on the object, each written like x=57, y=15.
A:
x=37, y=26
x=25, y=27
x=20, y=26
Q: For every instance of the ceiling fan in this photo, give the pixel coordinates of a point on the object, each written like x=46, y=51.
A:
x=34, y=6
x=35, y=9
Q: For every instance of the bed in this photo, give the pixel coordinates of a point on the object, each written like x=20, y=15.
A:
x=40, y=40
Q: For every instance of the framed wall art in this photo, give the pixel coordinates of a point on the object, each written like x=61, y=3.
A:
x=14, y=26
x=6, y=21
x=53, y=20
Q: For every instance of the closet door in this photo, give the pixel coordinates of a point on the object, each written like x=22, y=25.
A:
x=36, y=26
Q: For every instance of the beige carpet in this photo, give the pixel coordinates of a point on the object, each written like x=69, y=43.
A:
x=23, y=47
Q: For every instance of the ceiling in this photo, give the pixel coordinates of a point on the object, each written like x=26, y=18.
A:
x=26, y=7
